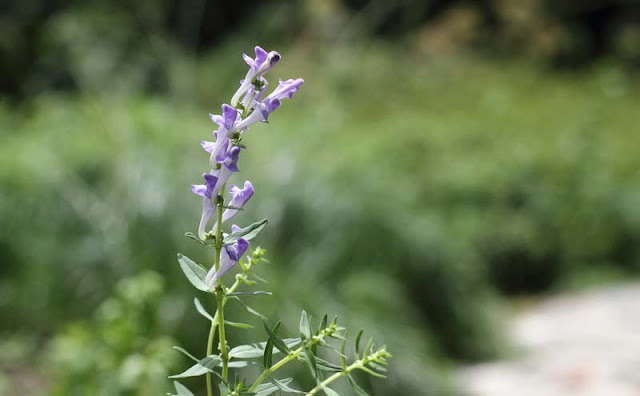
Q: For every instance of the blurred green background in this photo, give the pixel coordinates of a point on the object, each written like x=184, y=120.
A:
x=443, y=160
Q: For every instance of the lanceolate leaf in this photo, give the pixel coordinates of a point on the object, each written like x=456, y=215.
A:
x=283, y=386
x=330, y=392
x=247, y=233
x=249, y=309
x=270, y=388
x=202, y=367
x=184, y=352
x=252, y=293
x=201, y=309
x=238, y=325
x=357, y=343
x=195, y=273
x=305, y=330
x=181, y=389
x=277, y=341
x=326, y=365
x=356, y=387
x=310, y=360
x=251, y=351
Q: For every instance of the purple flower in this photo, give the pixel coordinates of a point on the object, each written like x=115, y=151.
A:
x=207, y=191
x=286, y=89
x=260, y=113
x=228, y=117
x=229, y=257
x=228, y=168
x=262, y=63
x=239, y=197
x=226, y=124
x=253, y=96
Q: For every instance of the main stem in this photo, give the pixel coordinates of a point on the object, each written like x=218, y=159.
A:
x=224, y=353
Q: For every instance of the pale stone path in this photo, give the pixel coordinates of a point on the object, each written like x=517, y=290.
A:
x=584, y=344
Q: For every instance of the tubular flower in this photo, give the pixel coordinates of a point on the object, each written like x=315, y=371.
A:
x=229, y=257
x=206, y=191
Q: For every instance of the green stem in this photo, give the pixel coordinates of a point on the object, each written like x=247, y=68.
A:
x=291, y=356
x=224, y=353
x=355, y=365
x=212, y=333
x=265, y=374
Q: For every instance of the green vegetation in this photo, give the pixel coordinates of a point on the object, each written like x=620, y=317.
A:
x=457, y=182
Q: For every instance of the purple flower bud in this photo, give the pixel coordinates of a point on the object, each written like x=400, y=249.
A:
x=286, y=89
x=229, y=257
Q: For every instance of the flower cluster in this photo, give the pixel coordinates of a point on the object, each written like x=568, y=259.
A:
x=248, y=106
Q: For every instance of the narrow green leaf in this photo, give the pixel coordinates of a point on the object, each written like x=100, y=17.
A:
x=239, y=364
x=252, y=293
x=356, y=387
x=249, y=309
x=251, y=351
x=194, y=273
x=310, y=360
x=323, y=324
x=273, y=337
x=247, y=233
x=270, y=388
x=283, y=386
x=238, y=325
x=247, y=351
x=267, y=357
x=203, y=366
x=356, y=347
x=187, y=354
x=343, y=358
x=329, y=392
x=371, y=372
x=208, y=242
x=367, y=348
x=182, y=390
x=201, y=309
x=326, y=365
x=305, y=330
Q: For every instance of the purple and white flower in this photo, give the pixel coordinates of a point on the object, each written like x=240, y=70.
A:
x=229, y=257
x=239, y=197
x=262, y=63
x=226, y=125
x=286, y=89
x=207, y=192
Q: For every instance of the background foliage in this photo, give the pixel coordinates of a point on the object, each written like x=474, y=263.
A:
x=413, y=185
